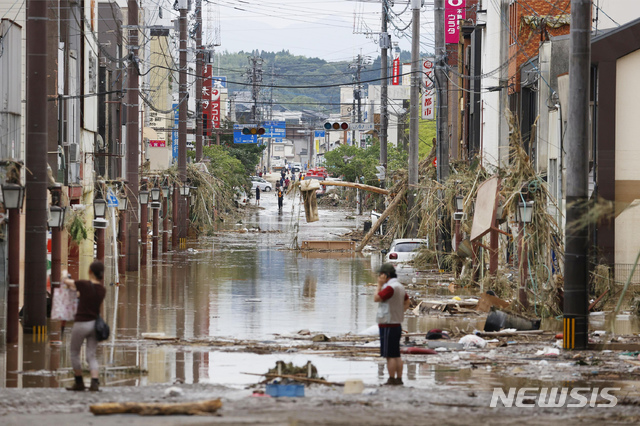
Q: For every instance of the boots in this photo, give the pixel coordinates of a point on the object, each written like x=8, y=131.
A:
x=78, y=385
x=94, y=385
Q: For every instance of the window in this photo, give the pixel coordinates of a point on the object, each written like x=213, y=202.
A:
x=407, y=247
x=513, y=22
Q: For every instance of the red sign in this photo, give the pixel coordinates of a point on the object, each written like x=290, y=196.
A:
x=210, y=102
x=435, y=162
x=454, y=11
x=395, y=81
x=157, y=144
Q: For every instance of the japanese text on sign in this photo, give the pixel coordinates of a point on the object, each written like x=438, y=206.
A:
x=454, y=11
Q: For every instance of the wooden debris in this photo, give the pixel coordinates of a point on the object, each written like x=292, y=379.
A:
x=157, y=409
x=297, y=378
x=381, y=219
x=487, y=301
x=355, y=185
x=434, y=307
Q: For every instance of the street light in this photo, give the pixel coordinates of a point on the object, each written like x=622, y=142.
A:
x=144, y=198
x=185, y=190
x=56, y=217
x=155, y=195
x=99, y=207
x=13, y=195
x=459, y=203
x=165, y=191
x=525, y=212
x=123, y=202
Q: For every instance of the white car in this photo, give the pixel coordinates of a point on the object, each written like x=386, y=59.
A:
x=257, y=181
x=404, y=250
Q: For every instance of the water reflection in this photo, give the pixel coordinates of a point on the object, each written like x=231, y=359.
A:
x=244, y=285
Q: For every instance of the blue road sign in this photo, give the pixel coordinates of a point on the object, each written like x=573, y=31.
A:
x=319, y=134
x=275, y=129
x=112, y=200
x=238, y=137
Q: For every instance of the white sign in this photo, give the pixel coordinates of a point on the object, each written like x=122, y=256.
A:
x=361, y=126
x=428, y=94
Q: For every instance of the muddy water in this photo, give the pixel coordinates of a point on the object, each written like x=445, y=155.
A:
x=243, y=283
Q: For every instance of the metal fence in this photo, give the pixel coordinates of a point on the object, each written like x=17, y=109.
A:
x=622, y=271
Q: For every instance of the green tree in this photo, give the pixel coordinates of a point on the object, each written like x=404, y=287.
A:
x=351, y=162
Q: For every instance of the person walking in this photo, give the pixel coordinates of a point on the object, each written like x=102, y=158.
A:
x=392, y=302
x=280, y=195
x=92, y=293
x=257, y=195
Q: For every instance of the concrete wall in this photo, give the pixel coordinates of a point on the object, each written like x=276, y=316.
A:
x=613, y=13
x=626, y=157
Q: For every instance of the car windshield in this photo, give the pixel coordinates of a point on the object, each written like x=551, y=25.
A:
x=406, y=247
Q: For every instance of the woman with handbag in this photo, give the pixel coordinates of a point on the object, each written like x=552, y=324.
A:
x=92, y=293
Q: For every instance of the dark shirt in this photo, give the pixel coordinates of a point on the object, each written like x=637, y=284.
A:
x=91, y=297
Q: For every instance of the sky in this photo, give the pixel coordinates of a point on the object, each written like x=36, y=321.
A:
x=334, y=30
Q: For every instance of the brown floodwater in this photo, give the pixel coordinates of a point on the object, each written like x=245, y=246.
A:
x=245, y=282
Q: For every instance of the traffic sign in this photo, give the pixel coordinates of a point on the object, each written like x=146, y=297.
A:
x=361, y=126
x=112, y=200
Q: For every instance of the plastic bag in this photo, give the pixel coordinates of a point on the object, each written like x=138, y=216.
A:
x=64, y=304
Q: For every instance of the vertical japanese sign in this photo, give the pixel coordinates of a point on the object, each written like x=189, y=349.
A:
x=174, y=133
x=453, y=13
x=395, y=81
x=428, y=94
x=210, y=102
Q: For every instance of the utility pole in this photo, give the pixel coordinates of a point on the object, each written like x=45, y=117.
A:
x=357, y=94
x=182, y=122
x=576, y=318
x=415, y=114
x=385, y=44
x=132, y=139
x=442, y=114
x=35, y=266
x=255, y=77
x=199, y=75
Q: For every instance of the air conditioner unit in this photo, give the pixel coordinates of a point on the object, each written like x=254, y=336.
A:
x=74, y=153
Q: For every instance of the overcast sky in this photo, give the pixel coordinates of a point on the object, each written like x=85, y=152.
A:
x=329, y=29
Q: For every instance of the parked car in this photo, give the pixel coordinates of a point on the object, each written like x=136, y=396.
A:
x=404, y=250
x=257, y=181
x=296, y=167
x=241, y=198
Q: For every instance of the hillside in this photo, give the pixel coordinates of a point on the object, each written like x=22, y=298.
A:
x=284, y=69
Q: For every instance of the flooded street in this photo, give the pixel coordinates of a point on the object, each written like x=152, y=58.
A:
x=213, y=318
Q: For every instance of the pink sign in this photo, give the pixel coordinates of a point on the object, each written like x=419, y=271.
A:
x=157, y=144
x=453, y=13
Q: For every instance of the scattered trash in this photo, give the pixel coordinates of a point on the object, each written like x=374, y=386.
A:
x=448, y=345
x=374, y=330
x=352, y=387
x=599, y=333
x=304, y=332
x=277, y=390
x=473, y=341
x=560, y=336
x=548, y=351
x=436, y=333
x=487, y=301
x=320, y=338
x=253, y=300
x=417, y=350
x=173, y=391
x=497, y=320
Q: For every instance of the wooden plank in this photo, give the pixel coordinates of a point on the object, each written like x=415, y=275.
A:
x=328, y=245
x=154, y=409
x=381, y=219
x=484, y=217
x=355, y=185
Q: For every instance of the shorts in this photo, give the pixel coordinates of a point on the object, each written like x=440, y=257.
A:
x=390, y=341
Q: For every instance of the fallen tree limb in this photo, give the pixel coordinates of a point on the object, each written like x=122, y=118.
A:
x=157, y=409
x=381, y=219
x=301, y=379
x=355, y=185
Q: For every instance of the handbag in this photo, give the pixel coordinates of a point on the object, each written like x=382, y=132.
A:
x=102, y=329
x=65, y=303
